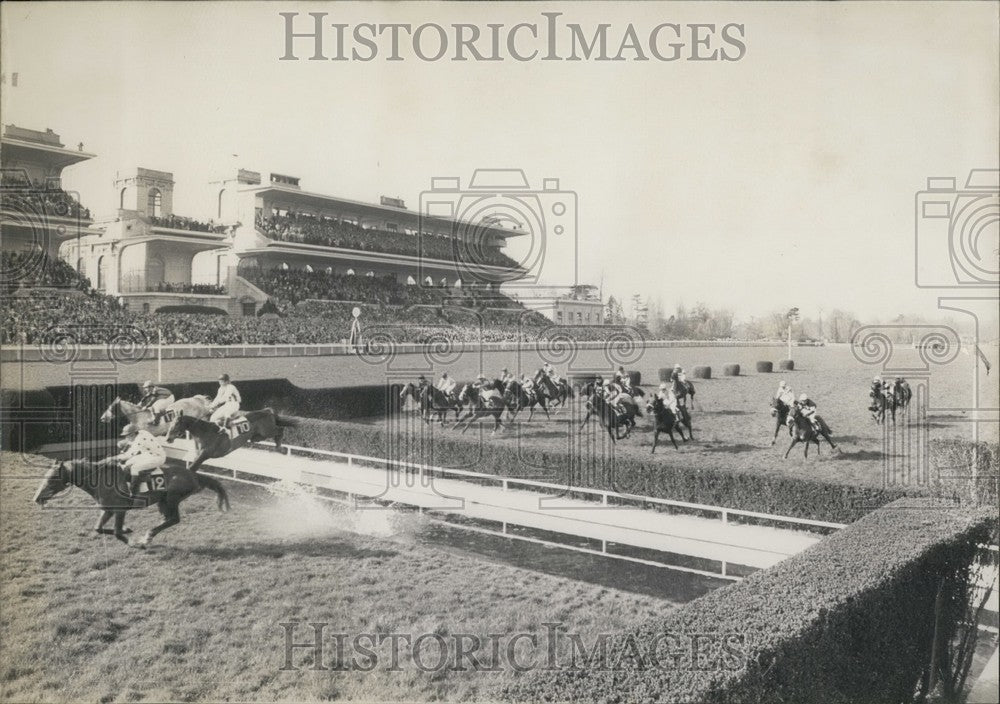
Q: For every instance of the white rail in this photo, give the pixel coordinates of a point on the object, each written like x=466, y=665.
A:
x=604, y=494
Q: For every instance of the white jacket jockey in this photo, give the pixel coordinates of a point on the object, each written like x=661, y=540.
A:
x=486, y=388
x=143, y=453
x=550, y=372
x=446, y=385
x=666, y=394
x=808, y=409
x=227, y=402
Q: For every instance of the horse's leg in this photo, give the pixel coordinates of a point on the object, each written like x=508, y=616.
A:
x=795, y=440
x=671, y=434
x=544, y=408
x=279, y=434
x=777, y=427
x=656, y=436
x=120, y=526
x=99, y=528
x=171, y=511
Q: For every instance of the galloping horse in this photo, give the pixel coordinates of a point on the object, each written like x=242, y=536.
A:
x=108, y=485
x=517, y=399
x=902, y=394
x=611, y=419
x=435, y=401
x=590, y=389
x=779, y=409
x=557, y=392
x=880, y=404
x=212, y=441
x=683, y=389
x=481, y=406
x=666, y=421
x=802, y=431
x=197, y=406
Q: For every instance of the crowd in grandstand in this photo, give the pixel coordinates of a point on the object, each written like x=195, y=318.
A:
x=295, y=285
x=309, y=229
x=201, y=289
x=30, y=269
x=18, y=193
x=179, y=222
x=37, y=312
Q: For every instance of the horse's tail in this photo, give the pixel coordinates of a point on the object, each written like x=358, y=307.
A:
x=216, y=486
x=285, y=422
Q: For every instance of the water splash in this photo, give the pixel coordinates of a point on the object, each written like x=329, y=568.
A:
x=299, y=511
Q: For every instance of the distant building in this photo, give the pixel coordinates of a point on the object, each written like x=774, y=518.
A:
x=580, y=305
x=35, y=213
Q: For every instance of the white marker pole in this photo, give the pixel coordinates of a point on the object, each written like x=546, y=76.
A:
x=159, y=355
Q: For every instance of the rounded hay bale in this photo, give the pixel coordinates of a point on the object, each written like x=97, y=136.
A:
x=665, y=373
x=702, y=372
x=786, y=365
x=765, y=367
x=731, y=370
x=634, y=378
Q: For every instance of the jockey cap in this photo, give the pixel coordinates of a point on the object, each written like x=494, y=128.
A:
x=782, y=385
x=663, y=386
x=147, y=384
x=677, y=366
x=224, y=377
x=804, y=397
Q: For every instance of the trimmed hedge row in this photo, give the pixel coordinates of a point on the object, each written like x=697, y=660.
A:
x=765, y=367
x=411, y=440
x=702, y=372
x=731, y=370
x=786, y=365
x=851, y=619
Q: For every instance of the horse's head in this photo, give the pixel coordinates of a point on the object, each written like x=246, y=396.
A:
x=109, y=414
x=56, y=480
x=177, y=426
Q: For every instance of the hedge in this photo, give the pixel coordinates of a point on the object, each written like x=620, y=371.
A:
x=192, y=310
x=786, y=365
x=731, y=370
x=702, y=372
x=665, y=373
x=411, y=440
x=765, y=367
x=850, y=619
x=635, y=378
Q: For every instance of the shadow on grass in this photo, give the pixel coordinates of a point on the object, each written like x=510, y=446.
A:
x=728, y=413
x=733, y=449
x=861, y=455
x=312, y=547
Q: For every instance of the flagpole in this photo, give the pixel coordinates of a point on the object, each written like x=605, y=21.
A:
x=159, y=355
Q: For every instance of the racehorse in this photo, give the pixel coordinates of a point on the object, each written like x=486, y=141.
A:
x=902, y=394
x=665, y=421
x=779, y=409
x=212, y=441
x=611, y=419
x=557, y=392
x=516, y=399
x=880, y=404
x=588, y=390
x=197, y=406
x=683, y=389
x=435, y=401
x=481, y=406
x=108, y=485
x=802, y=431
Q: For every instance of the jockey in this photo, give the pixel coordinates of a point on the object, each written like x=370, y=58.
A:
x=506, y=377
x=666, y=394
x=616, y=395
x=551, y=372
x=784, y=394
x=155, y=399
x=486, y=388
x=677, y=374
x=143, y=454
x=227, y=402
x=446, y=385
x=877, y=388
x=421, y=381
x=808, y=409
x=528, y=384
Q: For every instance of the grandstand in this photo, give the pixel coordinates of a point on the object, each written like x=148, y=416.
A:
x=272, y=247
x=36, y=215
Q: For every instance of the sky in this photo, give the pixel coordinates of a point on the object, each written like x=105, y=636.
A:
x=786, y=178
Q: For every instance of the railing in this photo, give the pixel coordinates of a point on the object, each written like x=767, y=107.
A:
x=605, y=495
